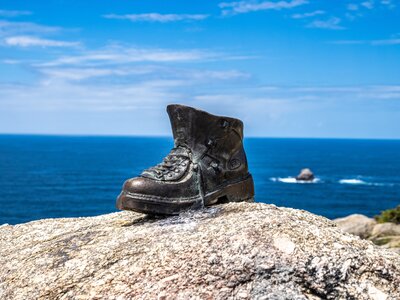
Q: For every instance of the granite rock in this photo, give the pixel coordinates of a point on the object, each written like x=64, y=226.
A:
x=385, y=229
x=305, y=175
x=357, y=224
x=386, y=235
x=232, y=251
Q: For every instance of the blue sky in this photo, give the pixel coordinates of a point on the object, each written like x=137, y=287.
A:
x=293, y=68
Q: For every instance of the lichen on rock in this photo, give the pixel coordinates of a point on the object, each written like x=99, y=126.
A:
x=232, y=251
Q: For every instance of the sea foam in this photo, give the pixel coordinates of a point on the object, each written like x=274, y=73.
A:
x=293, y=180
x=352, y=181
x=356, y=181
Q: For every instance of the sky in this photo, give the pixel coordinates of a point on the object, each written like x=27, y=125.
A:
x=288, y=68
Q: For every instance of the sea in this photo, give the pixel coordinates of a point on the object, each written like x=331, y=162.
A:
x=78, y=176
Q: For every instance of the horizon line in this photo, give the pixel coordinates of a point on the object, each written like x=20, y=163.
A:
x=170, y=136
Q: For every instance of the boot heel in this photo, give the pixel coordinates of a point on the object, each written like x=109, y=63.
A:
x=241, y=191
x=235, y=192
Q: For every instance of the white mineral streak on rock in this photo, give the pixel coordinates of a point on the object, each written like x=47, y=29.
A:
x=234, y=251
x=376, y=294
x=284, y=244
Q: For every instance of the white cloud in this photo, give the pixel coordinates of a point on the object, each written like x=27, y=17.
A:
x=77, y=74
x=12, y=28
x=395, y=41
x=332, y=23
x=219, y=75
x=368, y=4
x=308, y=15
x=61, y=95
x=241, y=7
x=383, y=42
x=388, y=3
x=125, y=55
x=156, y=17
x=14, y=13
x=366, y=92
x=30, y=41
x=11, y=61
x=58, y=106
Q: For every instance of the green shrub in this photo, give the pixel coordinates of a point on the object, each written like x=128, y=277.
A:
x=389, y=215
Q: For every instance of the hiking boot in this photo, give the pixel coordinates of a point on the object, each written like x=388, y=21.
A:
x=207, y=165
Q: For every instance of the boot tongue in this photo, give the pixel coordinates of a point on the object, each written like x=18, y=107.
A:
x=181, y=121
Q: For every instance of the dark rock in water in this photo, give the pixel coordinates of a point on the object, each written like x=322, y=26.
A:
x=305, y=175
x=232, y=251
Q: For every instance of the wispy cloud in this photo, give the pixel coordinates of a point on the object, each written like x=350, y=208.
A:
x=240, y=7
x=308, y=15
x=14, y=13
x=331, y=23
x=30, y=41
x=386, y=42
x=219, y=75
x=58, y=95
x=388, y=3
x=78, y=74
x=156, y=17
x=124, y=55
x=368, y=4
x=82, y=73
x=362, y=92
x=383, y=42
x=11, y=61
x=12, y=28
x=358, y=9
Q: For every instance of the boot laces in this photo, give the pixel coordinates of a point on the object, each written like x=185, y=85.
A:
x=172, y=164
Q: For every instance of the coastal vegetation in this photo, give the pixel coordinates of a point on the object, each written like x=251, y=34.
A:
x=389, y=215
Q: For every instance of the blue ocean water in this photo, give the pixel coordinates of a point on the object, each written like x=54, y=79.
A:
x=70, y=176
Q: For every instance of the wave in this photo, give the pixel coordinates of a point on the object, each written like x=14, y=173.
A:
x=352, y=181
x=349, y=181
x=357, y=181
x=293, y=180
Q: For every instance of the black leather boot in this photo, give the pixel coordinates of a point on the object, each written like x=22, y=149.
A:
x=207, y=165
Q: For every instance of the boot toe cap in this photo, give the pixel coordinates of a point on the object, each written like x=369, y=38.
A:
x=136, y=185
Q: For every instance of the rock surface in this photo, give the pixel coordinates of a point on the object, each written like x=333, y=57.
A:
x=385, y=229
x=357, y=224
x=305, y=175
x=386, y=235
x=233, y=251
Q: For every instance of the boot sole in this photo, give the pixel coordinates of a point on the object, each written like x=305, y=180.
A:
x=239, y=191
